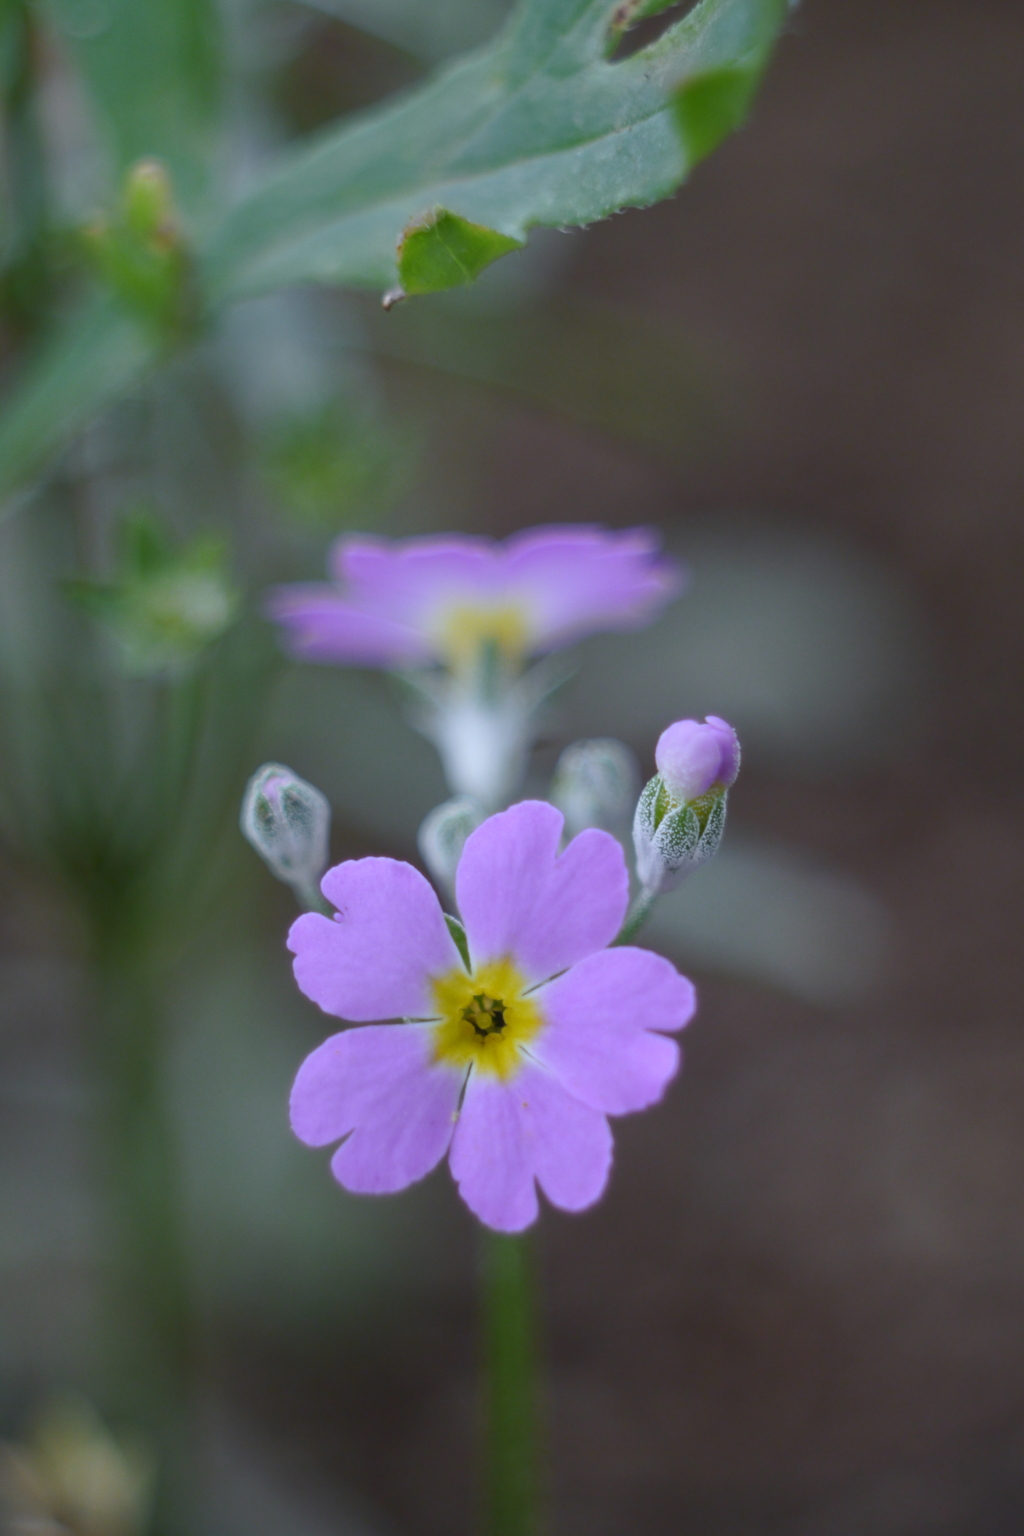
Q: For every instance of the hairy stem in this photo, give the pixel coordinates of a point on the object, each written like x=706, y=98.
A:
x=510, y=1383
x=639, y=911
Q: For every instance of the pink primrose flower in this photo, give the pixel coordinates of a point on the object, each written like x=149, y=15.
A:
x=411, y=602
x=511, y=1066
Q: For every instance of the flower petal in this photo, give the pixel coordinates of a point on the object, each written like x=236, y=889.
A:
x=489, y=1159
x=600, y=1016
x=379, y=1084
x=519, y=897
x=576, y=580
x=408, y=580
x=510, y=1133
x=569, y=1143
x=374, y=960
x=320, y=625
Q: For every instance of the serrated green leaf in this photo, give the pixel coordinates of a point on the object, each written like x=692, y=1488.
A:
x=539, y=128
x=443, y=251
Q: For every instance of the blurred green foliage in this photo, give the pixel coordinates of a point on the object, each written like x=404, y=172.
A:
x=539, y=128
x=336, y=466
x=164, y=606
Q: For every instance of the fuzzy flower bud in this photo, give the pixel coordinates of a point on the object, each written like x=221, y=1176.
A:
x=287, y=821
x=680, y=817
x=443, y=834
x=596, y=785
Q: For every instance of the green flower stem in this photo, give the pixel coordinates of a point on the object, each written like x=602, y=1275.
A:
x=510, y=1383
x=310, y=898
x=639, y=911
x=151, y=1326
x=138, y=927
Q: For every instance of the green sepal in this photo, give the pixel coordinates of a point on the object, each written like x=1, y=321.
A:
x=442, y=250
x=458, y=933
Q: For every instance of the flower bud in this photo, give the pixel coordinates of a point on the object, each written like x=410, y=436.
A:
x=287, y=821
x=443, y=834
x=691, y=757
x=147, y=201
x=680, y=816
x=595, y=785
x=140, y=251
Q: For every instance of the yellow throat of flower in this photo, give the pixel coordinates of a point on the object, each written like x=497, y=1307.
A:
x=485, y=1018
x=464, y=631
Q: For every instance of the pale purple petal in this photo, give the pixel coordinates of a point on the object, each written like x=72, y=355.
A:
x=577, y=580
x=730, y=746
x=519, y=897
x=599, y=1041
x=392, y=596
x=691, y=756
x=379, y=1087
x=373, y=960
x=569, y=1143
x=510, y=1134
x=320, y=625
x=489, y=1160
x=408, y=580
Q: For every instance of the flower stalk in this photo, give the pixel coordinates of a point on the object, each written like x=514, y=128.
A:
x=510, y=1383
x=150, y=1321
x=639, y=911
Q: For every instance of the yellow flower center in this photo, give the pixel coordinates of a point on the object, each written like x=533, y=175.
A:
x=464, y=630
x=485, y=1019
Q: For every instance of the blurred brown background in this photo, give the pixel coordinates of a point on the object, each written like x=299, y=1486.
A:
x=800, y=1309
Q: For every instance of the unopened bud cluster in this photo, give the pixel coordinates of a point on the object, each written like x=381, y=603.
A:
x=680, y=816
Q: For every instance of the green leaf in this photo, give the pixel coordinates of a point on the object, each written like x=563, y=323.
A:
x=710, y=108
x=153, y=70
x=430, y=31
x=539, y=128
x=443, y=251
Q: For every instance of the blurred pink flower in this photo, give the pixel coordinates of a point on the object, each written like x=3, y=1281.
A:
x=512, y=1065
x=410, y=602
